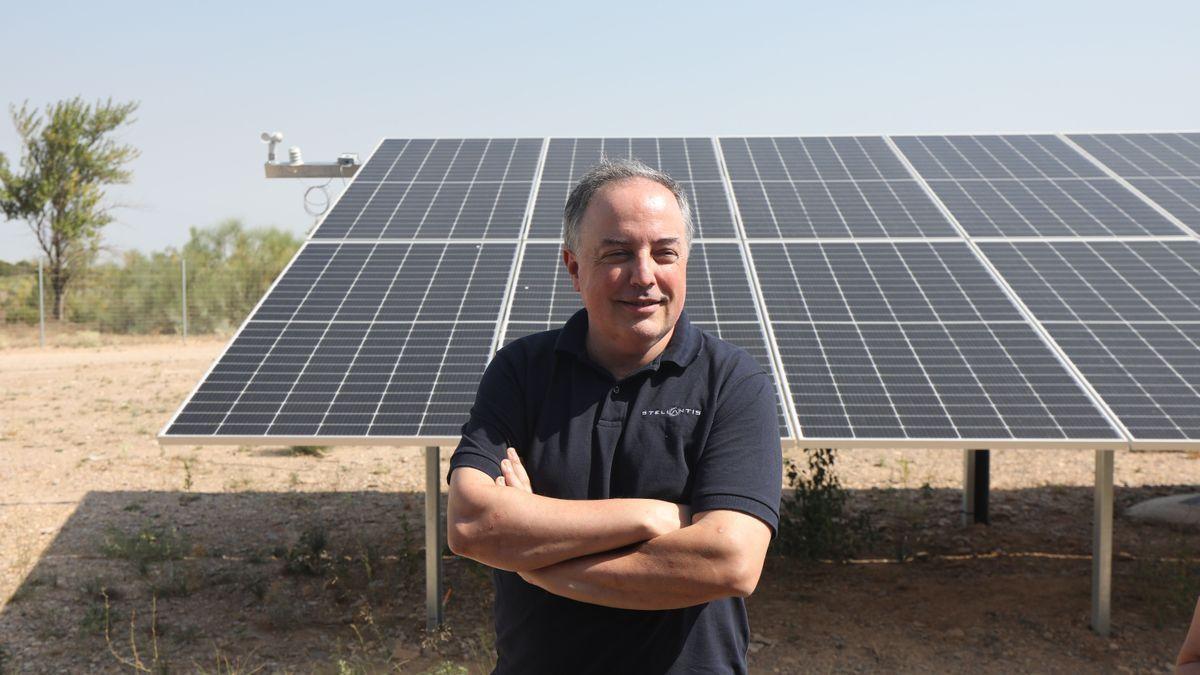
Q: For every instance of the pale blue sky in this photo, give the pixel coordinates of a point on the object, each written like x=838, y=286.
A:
x=336, y=78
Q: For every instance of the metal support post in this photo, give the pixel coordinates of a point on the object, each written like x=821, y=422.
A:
x=433, y=537
x=183, y=276
x=976, y=484
x=1102, y=544
x=41, y=307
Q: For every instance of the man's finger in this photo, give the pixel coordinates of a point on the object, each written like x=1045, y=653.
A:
x=521, y=473
x=500, y=481
x=514, y=473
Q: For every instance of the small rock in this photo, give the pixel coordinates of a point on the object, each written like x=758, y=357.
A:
x=956, y=633
x=757, y=637
x=1114, y=646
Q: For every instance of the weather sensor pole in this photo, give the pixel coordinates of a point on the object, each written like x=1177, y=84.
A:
x=345, y=166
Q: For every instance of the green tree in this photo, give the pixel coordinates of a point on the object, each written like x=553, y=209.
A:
x=229, y=269
x=68, y=157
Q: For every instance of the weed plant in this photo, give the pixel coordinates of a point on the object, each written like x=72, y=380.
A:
x=147, y=546
x=814, y=522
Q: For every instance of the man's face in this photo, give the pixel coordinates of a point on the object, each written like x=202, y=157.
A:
x=630, y=269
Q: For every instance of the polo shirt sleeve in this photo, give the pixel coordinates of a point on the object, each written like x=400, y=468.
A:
x=741, y=467
x=495, y=417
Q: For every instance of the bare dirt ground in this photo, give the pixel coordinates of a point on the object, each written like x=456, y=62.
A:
x=116, y=551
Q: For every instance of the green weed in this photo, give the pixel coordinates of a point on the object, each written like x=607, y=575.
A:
x=814, y=523
x=146, y=546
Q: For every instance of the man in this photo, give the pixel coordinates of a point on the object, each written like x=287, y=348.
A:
x=622, y=473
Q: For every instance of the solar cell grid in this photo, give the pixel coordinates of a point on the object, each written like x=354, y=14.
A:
x=359, y=339
x=341, y=379
x=899, y=281
x=817, y=187
x=912, y=340
x=1179, y=196
x=1028, y=186
x=1050, y=208
x=1145, y=155
x=1164, y=167
x=931, y=381
x=994, y=158
x=784, y=158
x=444, y=189
x=391, y=282
x=1103, y=281
x=1149, y=374
x=1127, y=314
x=690, y=161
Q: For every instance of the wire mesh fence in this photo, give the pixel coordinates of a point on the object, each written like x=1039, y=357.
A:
x=157, y=295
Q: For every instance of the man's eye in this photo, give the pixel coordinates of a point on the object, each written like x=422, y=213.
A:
x=667, y=256
x=615, y=255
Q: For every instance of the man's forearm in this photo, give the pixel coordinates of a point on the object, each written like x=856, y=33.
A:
x=687, y=567
x=514, y=530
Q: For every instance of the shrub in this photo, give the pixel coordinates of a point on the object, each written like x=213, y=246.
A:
x=814, y=523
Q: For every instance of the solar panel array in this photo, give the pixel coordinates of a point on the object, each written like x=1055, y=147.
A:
x=952, y=291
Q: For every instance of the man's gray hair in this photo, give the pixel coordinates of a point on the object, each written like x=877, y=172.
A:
x=611, y=171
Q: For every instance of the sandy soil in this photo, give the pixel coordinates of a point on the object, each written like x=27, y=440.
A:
x=229, y=559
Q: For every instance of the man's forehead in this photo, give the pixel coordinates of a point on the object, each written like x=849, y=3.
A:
x=633, y=208
x=634, y=193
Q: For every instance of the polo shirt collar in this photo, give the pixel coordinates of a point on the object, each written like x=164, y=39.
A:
x=681, y=350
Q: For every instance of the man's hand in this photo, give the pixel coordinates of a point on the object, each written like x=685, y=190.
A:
x=512, y=473
x=665, y=516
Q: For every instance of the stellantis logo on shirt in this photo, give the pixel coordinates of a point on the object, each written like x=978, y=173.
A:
x=672, y=412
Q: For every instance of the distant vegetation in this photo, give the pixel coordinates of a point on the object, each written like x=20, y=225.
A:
x=228, y=268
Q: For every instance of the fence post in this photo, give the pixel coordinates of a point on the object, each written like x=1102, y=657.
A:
x=41, y=308
x=183, y=273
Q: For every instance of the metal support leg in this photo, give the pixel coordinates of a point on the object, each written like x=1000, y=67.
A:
x=1102, y=544
x=976, y=480
x=433, y=537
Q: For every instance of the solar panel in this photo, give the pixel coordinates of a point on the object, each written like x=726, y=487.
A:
x=691, y=161
x=443, y=189
x=827, y=187
x=1009, y=186
x=1145, y=155
x=1146, y=372
x=1103, y=280
x=1127, y=314
x=359, y=339
x=719, y=300
x=1164, y=167
x=830, y=260
x=912, y=340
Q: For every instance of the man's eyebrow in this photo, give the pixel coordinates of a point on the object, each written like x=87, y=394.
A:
x=613, y=241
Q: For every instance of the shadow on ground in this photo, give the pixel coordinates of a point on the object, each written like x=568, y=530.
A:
x=333, y=582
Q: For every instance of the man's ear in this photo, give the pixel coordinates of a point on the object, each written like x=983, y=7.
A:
x=572, y=265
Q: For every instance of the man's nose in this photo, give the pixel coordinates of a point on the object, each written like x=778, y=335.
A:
x=642, y=274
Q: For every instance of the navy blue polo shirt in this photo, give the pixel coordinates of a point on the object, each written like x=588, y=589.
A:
x=696, y=426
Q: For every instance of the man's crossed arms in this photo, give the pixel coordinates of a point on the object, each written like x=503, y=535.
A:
x=627, y=553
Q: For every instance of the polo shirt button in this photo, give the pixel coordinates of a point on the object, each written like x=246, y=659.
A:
x=617, y=389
